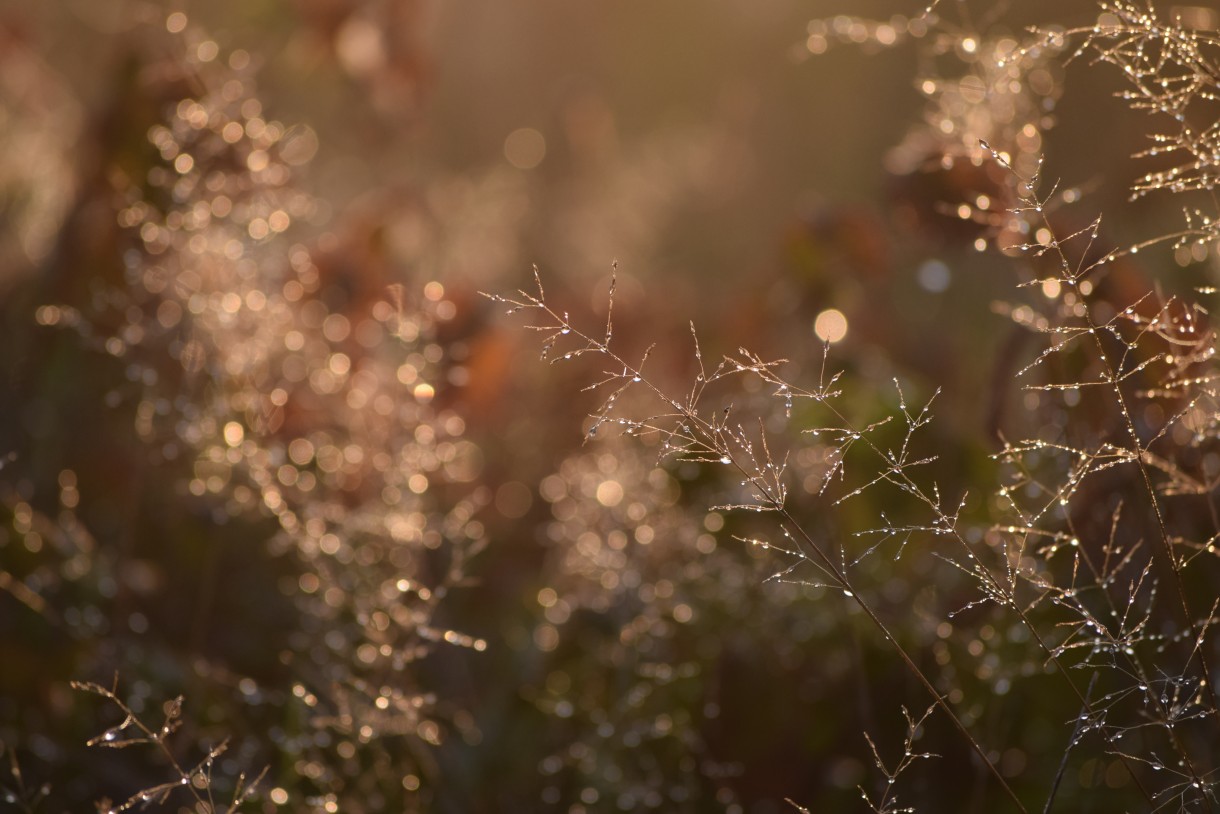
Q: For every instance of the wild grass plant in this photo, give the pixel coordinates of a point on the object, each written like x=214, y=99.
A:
x=290, y=485
x=275, y=396
x=1098, y=547
x=194, y=779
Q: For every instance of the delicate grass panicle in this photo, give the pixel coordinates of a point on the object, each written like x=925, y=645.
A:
x=196, y=779
x=301, y=454
x=278, y=392
x=1100, y=551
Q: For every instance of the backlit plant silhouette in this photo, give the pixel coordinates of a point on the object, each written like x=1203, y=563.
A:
x=294, y=398
x=275, y=466
x=1102, y=550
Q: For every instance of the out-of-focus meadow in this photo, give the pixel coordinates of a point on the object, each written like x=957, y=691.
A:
x=265, y=446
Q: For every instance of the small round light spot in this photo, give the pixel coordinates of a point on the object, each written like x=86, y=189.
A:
x=525, y=148
x=233, y=433
x=610, y=493
x=934, y=276
x=830, y=326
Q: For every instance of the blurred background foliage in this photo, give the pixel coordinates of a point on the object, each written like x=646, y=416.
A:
x=537, y=624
